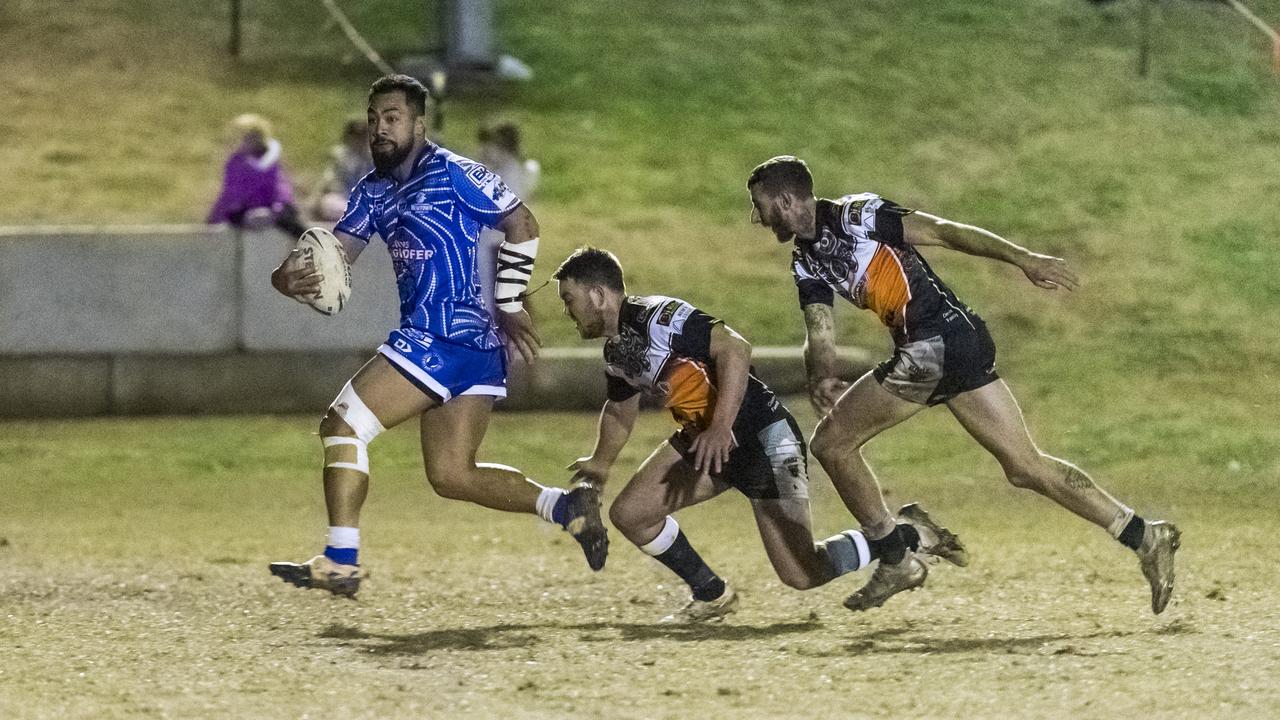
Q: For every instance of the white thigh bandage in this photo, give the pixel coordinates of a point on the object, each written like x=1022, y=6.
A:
x=515, y=267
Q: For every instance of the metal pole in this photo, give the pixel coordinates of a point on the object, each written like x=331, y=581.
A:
x=233, y=45
x=1144, y=43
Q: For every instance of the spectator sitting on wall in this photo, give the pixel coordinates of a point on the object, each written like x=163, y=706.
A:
x=349, y=162
x=256, y=191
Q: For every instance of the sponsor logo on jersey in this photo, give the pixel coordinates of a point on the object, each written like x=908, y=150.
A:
x=668, y=312
x=853, y=212
x=400, y=250
x=480, y=176
x=499, y=190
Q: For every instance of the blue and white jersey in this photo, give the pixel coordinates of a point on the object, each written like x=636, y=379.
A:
x=431, y=224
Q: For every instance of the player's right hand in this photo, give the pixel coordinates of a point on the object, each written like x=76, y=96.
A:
x=296, y=278
x=589, y=470
x=521, y=336
x=824, y=392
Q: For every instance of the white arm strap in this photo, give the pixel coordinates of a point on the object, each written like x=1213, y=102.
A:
x=515, y=267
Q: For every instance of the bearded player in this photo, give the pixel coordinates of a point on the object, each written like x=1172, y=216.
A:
x=863, y=248
x=445, y=364
x=734, y=433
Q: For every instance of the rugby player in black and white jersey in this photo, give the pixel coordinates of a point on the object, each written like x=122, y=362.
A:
x=733, y=433
x=863, y=248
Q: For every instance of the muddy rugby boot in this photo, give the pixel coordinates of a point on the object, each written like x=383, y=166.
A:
x=320, y=573
x=585, y=525
x=935, y=540
x=700, y=611
x=1160, y=540
x=887, y=581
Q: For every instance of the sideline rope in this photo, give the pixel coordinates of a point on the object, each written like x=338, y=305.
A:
x=1264, y=27
x=356, y=39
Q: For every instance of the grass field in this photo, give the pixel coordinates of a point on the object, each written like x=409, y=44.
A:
x=135, y=586
x=135, y=550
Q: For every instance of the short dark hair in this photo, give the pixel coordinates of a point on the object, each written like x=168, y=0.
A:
x=415, y=93
x=784, y=173
x=592, y=266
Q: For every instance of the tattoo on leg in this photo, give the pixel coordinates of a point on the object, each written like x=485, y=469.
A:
x=1077, y=480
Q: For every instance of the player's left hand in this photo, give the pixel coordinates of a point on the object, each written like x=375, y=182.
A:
x=1048, y=272
x=589, y=470
x=711, y=448
x=517, y=328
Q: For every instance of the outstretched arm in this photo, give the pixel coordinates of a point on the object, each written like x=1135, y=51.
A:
x=515, y=267
x=617, y=419
x=1044, y=271
x=825, y=387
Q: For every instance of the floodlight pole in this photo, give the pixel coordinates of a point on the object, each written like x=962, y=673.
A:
x=1144, y=42
x=233, y=43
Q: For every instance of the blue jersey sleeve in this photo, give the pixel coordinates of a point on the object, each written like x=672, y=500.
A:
x=358, y=219
x=480, y=193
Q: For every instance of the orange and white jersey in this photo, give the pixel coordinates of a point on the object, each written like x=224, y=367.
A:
x=859, y=253
x=663, y=348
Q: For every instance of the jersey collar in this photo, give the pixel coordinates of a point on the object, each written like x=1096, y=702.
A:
x=825, y=215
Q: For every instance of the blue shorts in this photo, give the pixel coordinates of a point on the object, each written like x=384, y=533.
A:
x=443, y=369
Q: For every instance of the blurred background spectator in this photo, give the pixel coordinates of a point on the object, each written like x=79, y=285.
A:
x=348, y=162
x=256, y=191
x=500, y=151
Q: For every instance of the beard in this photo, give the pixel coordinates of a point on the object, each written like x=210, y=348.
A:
x=388, y=156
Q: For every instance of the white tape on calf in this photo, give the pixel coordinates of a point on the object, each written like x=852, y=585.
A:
x=362, y=453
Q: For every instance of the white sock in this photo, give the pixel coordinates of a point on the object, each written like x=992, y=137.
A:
x=1120, y=521
x=547, y=500
x=344, y=537
x=665, y=539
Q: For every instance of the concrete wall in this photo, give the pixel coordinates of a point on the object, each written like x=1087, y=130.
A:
x=84, y=292
x=183, y=319
x=273, y=322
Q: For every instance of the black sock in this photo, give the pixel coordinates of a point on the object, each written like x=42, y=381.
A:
x=685, y=562
x=891, y=548
x=910, y=536
x=1131, y=537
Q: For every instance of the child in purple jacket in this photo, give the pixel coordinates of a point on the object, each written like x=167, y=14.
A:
x=255, y=189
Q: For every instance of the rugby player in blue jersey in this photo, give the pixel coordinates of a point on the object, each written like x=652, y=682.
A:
x=445, y=364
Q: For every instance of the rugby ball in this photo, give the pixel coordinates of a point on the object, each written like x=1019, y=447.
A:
x=322, y=251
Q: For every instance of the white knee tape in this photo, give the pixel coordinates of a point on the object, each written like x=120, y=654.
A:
x=362, y=453
x=357, y=415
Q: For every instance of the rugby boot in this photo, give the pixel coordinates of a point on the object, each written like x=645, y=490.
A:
x=701, y=611
x=935, y=540
x=887, y=581
x=1160, y=540
x=320, y=573
x=585, y=525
